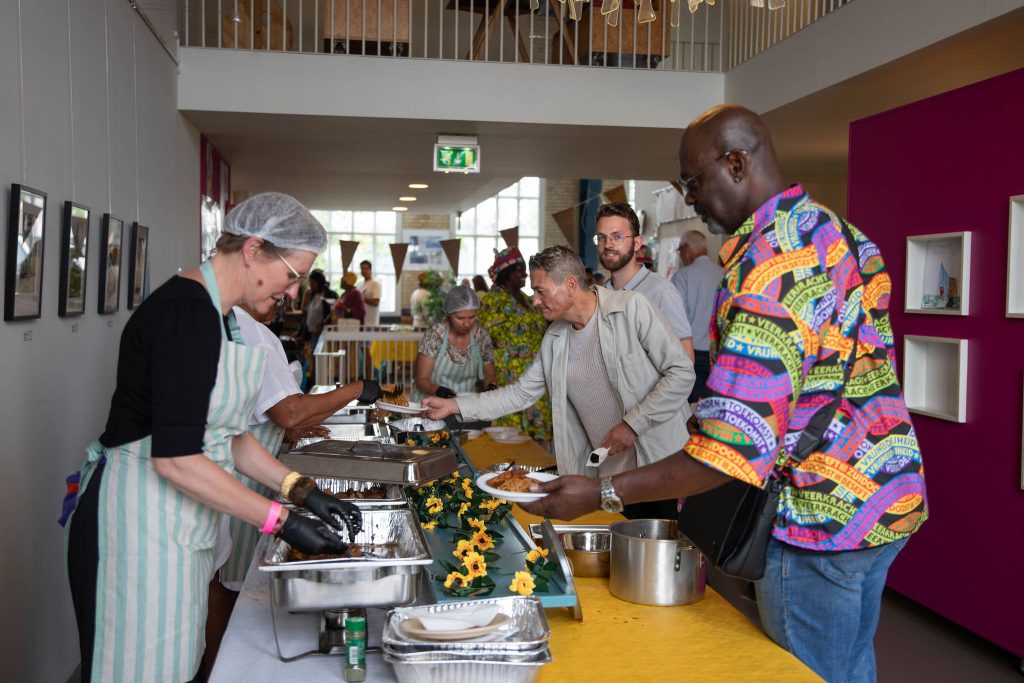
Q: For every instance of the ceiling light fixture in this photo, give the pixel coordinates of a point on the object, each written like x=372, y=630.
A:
x=418, y=186
x=406, y=199
x=399, y=208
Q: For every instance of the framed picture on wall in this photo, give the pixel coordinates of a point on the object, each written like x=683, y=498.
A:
x=137, y=265
x=23, y=290
x=110, y=264
x=938, y=273
x=425, y=250
x=74, y=251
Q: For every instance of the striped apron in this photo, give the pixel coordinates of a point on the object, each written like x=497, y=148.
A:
x=459, y=377
x=244, y=536
x=155, y=543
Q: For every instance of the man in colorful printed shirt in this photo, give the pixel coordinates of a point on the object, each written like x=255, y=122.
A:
x=793, y=302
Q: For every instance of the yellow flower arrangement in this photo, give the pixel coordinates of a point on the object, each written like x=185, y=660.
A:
x=434, y=505
x=492, y=504
x=454, y=478
x=482, y=541
x=536, y=554
x=522, y=584
x=467, y=488
x=432, y=524
x=475, y=564
x=476, y=524
x=464, y=548
x=464, y=508
x=461, y=579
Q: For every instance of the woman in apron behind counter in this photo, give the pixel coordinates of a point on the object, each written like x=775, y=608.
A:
x=140, y=542
x=455, y=354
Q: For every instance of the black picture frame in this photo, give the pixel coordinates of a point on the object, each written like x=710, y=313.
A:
x=137, y=265
x=23, y=275
x=74, y=255
x=111, y=243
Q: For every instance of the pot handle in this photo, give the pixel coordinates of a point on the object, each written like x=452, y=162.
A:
x=679, y=556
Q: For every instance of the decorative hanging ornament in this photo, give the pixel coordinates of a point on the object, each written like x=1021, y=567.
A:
x=645, y=12
x=613, y=18
x=609, y=7
x=673, y=12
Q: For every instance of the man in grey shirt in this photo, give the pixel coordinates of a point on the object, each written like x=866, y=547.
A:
x=618, y=240
x=697, y=282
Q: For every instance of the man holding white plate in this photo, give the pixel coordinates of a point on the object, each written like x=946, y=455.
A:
x=616, y=373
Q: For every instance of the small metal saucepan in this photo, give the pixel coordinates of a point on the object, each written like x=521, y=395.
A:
x=653, y=564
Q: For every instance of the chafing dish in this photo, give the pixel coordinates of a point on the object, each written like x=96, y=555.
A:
x=394, y=494
x=528, y=630
x=371, y=461
x=383, y=579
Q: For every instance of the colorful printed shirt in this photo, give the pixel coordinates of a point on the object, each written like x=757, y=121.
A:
x=784, y=326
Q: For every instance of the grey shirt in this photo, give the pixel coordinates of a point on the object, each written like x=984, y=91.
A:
x=697, y=283
x=662, y=294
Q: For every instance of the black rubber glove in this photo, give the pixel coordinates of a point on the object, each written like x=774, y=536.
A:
x=340, y=514
x=371, y=392
x=491, y=387
x=311, y=537
x=444, y=392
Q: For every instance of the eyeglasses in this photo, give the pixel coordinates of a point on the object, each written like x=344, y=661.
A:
x=614, y=238
x=294, y=275
x=687, y=184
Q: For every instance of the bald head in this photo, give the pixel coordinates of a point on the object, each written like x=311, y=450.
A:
x=693, y=245
x=728, y=161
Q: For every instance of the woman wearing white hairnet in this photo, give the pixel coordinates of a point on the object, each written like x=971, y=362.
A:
x=153, y=487
x=456, y=354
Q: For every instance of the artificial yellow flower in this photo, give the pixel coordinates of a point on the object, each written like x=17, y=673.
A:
x=434, y=505
x=492, y=504
x=522, y=584
x=454, y=478
x=467, y=488
x=475, y=564
x=464, y=547
x=461, y=579
x=463, y=509
x=476, y=524
x=482, y=541
x=536, y=554
x=432, y=524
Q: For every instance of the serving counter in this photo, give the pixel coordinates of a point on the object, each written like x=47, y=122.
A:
x=708, y=640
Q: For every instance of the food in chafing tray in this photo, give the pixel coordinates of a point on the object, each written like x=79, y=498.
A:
x=355, y=551
x=515, y=480
x=394, y=394
x=372, y=493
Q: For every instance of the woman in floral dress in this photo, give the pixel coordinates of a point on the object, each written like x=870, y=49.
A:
x=516, y=328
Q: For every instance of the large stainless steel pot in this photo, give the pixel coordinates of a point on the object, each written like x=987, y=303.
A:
x=653, y=564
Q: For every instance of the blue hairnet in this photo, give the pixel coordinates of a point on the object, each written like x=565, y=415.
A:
x=280, y=220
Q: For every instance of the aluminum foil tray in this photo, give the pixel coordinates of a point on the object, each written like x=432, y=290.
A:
x=528, y=630
x=385, y=580
x=394, y=494
x=371, y=461
x=449, y=667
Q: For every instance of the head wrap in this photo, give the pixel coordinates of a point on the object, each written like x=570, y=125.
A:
x=504, y=259
x=461, y=298
x=278, y=219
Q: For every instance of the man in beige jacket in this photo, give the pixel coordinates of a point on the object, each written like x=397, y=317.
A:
x=616, y=373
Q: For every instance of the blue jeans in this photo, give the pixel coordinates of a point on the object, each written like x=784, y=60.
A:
x=823, y=606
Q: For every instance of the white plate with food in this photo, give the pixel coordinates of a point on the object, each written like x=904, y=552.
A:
x=518, y=478
x=473, y=433
x=514, y=438
x=411, y=409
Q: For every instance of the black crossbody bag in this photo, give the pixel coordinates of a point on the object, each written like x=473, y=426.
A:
x=732, y=524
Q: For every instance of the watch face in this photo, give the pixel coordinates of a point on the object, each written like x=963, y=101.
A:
x=609, y=505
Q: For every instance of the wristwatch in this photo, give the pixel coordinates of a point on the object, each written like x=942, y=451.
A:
x=610, y=501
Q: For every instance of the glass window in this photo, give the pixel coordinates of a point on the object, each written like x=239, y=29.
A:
x=529, y=187
x=508, y=213
x=529, y=214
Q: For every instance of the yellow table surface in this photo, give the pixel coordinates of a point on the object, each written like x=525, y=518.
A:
x=618, y=640
x=393, y=351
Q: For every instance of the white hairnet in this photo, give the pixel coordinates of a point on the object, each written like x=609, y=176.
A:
x=280, y=220
x=460, y=298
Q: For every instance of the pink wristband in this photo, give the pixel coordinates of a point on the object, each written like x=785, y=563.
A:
x=272, y=516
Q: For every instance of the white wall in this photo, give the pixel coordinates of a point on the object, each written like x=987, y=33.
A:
x=57, y=387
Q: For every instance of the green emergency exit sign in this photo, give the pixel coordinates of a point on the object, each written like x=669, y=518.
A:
x=460, y=159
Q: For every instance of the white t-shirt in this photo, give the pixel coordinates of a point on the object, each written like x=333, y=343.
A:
x=278, y=379
x=371, y=289
x=416, y=303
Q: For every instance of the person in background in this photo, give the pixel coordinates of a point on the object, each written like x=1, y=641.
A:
x=418, y=300
x=479, y=284
x=371, y=290
x=456, y=355
x=798, y=300
x=617, y=376
x=697, y=282
x=618, y=239
x=465, y=282
x=144, y=523
x=351, y=304
x=599, y=280
x=317, y=301
x=589, y=277
x=517, y=329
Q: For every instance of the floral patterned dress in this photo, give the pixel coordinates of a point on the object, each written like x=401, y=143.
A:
x=516, y=333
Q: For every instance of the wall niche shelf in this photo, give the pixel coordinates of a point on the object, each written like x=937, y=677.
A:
x=935, y=376
x=938, y=274
x=1015, y=267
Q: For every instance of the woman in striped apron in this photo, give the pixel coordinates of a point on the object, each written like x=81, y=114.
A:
x=455, y=355
x=153, y=487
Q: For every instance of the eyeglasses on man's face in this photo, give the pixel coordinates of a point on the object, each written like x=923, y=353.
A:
x=688, y=183
x=615, y=238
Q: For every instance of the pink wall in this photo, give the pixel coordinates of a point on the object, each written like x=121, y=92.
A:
x=945, y=164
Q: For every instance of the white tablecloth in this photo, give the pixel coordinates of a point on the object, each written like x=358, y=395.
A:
x=247, y=652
